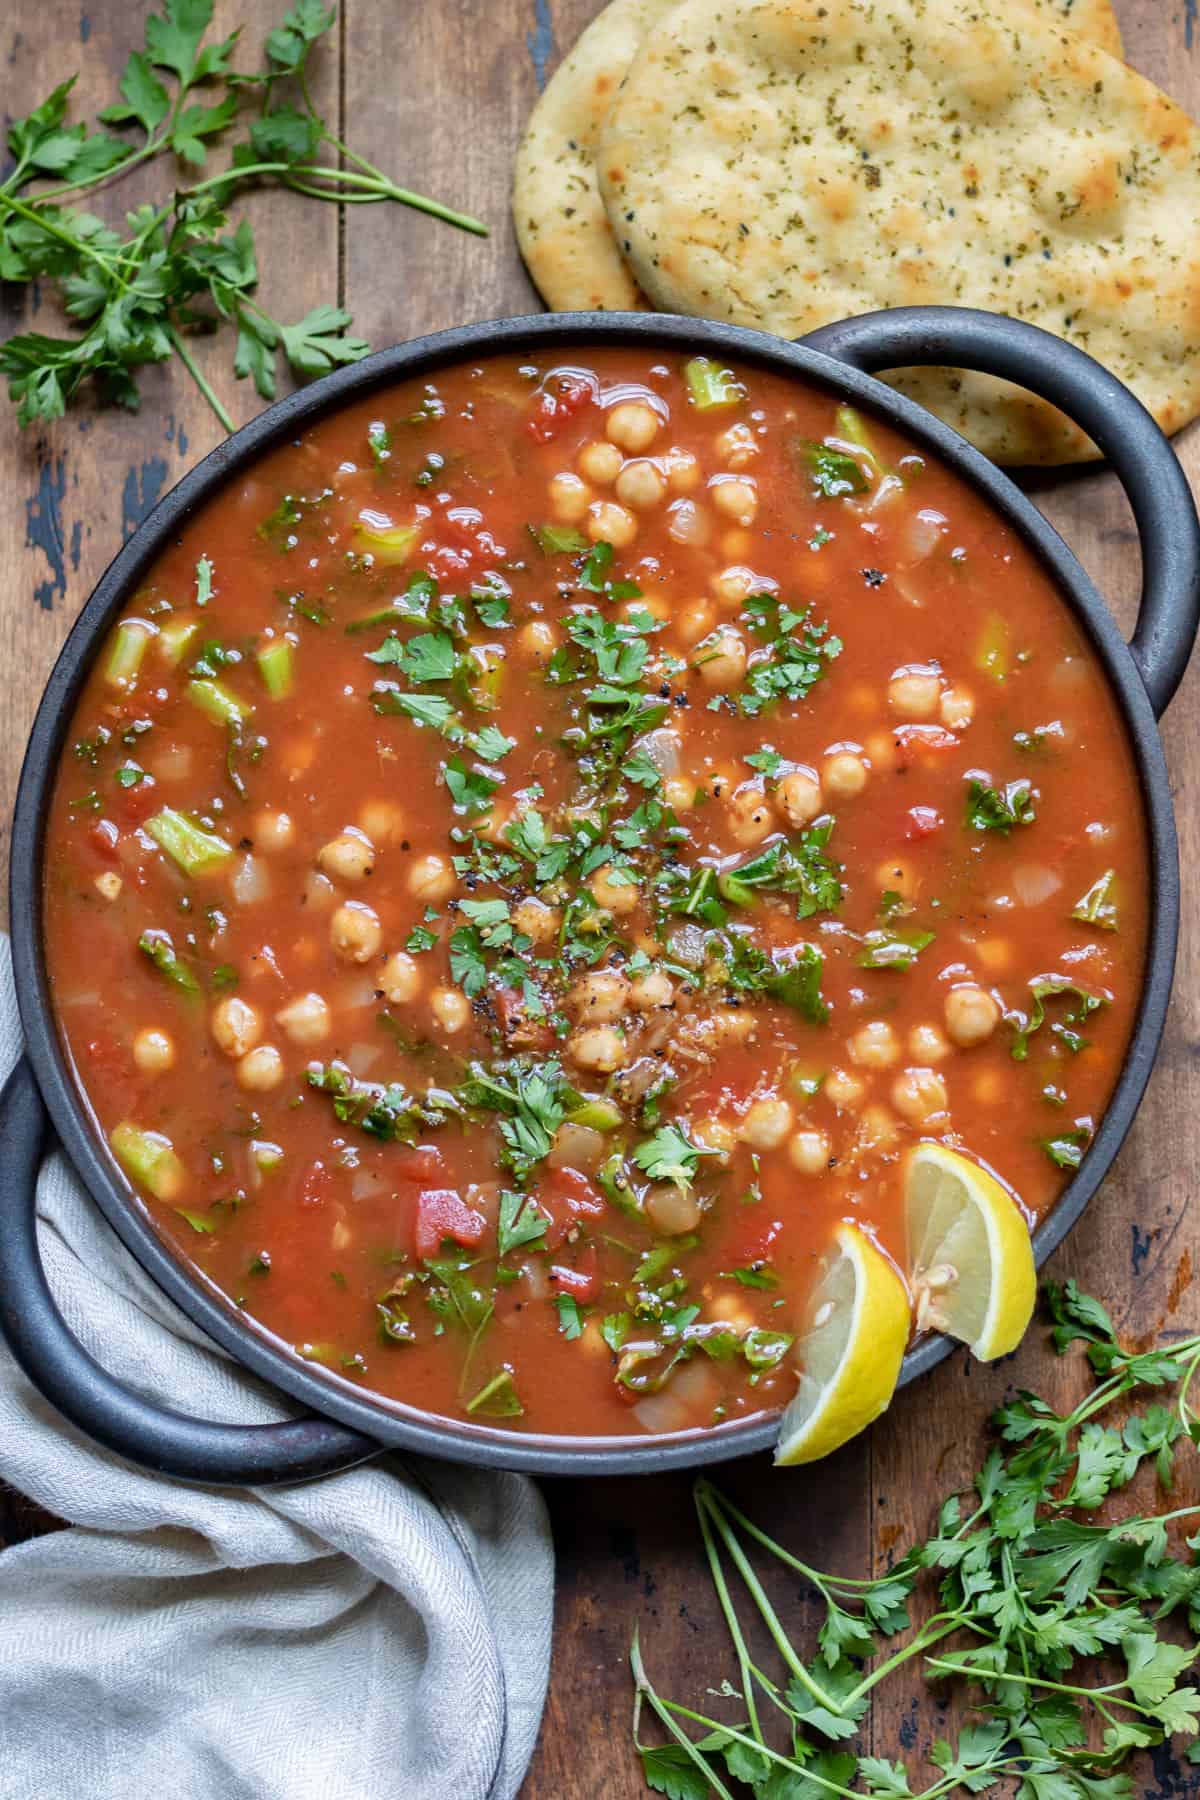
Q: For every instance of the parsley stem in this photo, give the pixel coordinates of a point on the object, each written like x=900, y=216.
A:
x=727, y=1607
x=1111, y=1693
x=643, y=1690
x=186, y=358
x=64, y=237
x=770, y=1617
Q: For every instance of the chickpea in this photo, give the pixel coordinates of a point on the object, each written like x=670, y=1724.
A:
x=878, y=1128
x=305, y=1020
x=874, y=1046
x=719, y=781
x=538, y=639
x=382, y=822
x=620, y=897
x=798, y=797
x=400, y=978
x=843, y=1089
x=108, y=885
x=611, y=524
x=693, y=620
x=996, y=954
x=898, y=876
x=766, y=1124
x=808, y=1152
x=600, y=997
x=721, y=660
x=844, y=776
x=153, y=1051
x=348, y=857
x=679, y=794
x=736, y=544
x=914, y=693
x=652, y=991
x=688, y=523
x=670, y=1211
x=450, y=1008
x=957, y=708
x=640, y=485
x=735, y=497
x=737, y=446
x=355, y=932
x=750, y=815
x=683, y=471
x=273, y=831
x=736, y=584
x=632, y=426
x=600, y=1048
x=569, y=498
x=537, y=920
x=881, y=748
x=260, y=1069
x=732, y=1310
x=600, y=463
x=431, y=879
x=235, y=1025
x=715, y=1135
x=971, y=1015
x=987, y=1088
x=919, y=1095
x=927, y=1043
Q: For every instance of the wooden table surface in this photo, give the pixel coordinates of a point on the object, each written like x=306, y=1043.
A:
x=436, y=94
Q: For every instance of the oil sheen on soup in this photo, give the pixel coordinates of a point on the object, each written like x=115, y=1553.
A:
x=539, y=851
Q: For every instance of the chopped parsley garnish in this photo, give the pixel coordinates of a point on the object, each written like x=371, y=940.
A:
x=1067, y=1149
x=594, y=578
x=559, y=540
x=1053, y=987
x=158, y=947
x=835, y=474
x=530, y=1102
x=767, y=761
x=999, y=809
x=521, y=1222
x=799, y=650
x=792, y=979
x=670, y=1156
x=570, y=1315
x=798, y=867
x=1098, y=906
x=892, y=949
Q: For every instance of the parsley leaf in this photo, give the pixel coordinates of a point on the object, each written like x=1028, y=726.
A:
x=999, y=809
x=670, y=1155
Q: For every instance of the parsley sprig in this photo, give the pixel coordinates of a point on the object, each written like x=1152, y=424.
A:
x=1039, y=1604
x=138, y=295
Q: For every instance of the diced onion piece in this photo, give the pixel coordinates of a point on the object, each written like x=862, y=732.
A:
x=360, y=1059
x=251, y=882
x=662, y=749
x=1034, y=882
x=577, y=1147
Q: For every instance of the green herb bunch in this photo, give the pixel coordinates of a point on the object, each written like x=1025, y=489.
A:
x=1035, y=1609
x=182, y=267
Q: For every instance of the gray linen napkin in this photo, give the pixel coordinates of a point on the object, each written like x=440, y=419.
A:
x=382, y=1632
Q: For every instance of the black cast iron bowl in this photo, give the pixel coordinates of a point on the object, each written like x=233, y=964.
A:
x=347, y=1425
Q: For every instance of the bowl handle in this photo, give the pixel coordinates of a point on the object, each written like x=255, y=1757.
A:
x=1113, y=417
x=116, y=1416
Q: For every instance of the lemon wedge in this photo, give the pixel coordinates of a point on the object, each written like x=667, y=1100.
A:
x=849, y=1348
x=970, y=1259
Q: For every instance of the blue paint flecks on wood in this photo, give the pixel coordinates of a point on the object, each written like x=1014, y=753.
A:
x=1139, y=1248
x=540, y=41
x=44, y=530
x=76, y=542
x=142, y=489
x=1189, y=23
x=85, y=28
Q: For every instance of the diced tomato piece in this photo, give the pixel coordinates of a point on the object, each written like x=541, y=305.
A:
x=137, y=803
x=564, y=1195
x=555, y=406
x=442, y=1213
x=582, y=1280
x=521, y=1031
x=103, y=836
x=923, y=821
x=423, y=1162
x=751, y=1239
x=316, y=1185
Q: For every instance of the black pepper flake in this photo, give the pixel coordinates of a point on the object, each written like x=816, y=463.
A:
x=874, y=577
x=664, y=692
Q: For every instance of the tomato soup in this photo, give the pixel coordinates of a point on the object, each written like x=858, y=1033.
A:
x=538, y=852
